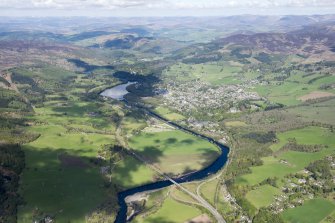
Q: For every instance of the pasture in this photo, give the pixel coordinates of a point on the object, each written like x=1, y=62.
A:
x=319, y=112
x=212, y=73
x=292, y=92
x=294, y=161
x=174, y=151
x=171, y=211
x=68, y=189
x=208, y=190
x=310, y=212
x=308, y=136
x=263, y=196
x=168, y=114
x=60, y=179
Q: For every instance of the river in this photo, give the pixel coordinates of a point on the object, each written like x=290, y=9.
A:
x=198, y=175
x=117, y=92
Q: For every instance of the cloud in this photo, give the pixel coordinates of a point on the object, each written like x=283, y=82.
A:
x=252, y=3
x=161, y=4
x=79, y=4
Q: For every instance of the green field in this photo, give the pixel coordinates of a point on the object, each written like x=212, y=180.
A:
x=262, y=196
x=215, y=74
x=208, y=190
x=59, y=178
x=130, y=173
x=310, y=212
x=288, y=93
x=272, y=167
x=330, y=218
x=67, y=191
x=171, y=212
x=166, y=113
x=181, y=195
x=296, y=161
x=174, y=151
x=319, y=112
x=308, y=136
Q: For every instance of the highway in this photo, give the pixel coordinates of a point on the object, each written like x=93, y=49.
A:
x=201, y=200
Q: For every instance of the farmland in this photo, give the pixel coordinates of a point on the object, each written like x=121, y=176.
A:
x=262, y=196
x=167, y=212
x=174, y=151
x=262, y=85
x=295, y=161
x=312, y=211
x=59, y=176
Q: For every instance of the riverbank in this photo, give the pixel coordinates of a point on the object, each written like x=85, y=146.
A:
x=198, y=175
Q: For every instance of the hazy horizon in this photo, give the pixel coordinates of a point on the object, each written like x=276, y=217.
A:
x=162, y=8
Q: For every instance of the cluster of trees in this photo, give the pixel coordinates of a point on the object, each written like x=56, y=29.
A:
x=293, y=145
x=10, y=100
x=11, y=165
x=251, y=147
x=264, y=215
x=273, y=106
x=29, y=87
x=262, y=137
x=320, y=169
x=270, y=181
x=263, y=57
x=12, y=131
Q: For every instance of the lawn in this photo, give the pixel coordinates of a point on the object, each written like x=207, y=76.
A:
x=310, y=212
x=263, y=196
x=174, y=151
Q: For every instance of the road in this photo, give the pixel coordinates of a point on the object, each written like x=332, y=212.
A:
x=206, y=181
x=197, y=197
x=202, y=201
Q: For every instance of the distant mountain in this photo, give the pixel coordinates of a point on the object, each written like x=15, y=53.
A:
x=142, y=44
x=308, y=41
x=86, y=35
x=137, y=30
x=126, y=42
x=284, y=42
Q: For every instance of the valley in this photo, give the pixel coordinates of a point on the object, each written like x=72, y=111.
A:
x=168, y=120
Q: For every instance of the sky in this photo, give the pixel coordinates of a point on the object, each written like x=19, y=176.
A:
x=131, y=8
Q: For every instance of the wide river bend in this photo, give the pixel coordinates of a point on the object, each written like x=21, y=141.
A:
x=198, y=175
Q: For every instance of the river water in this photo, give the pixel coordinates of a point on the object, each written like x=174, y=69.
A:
x=199, y=175
x=118, y=92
